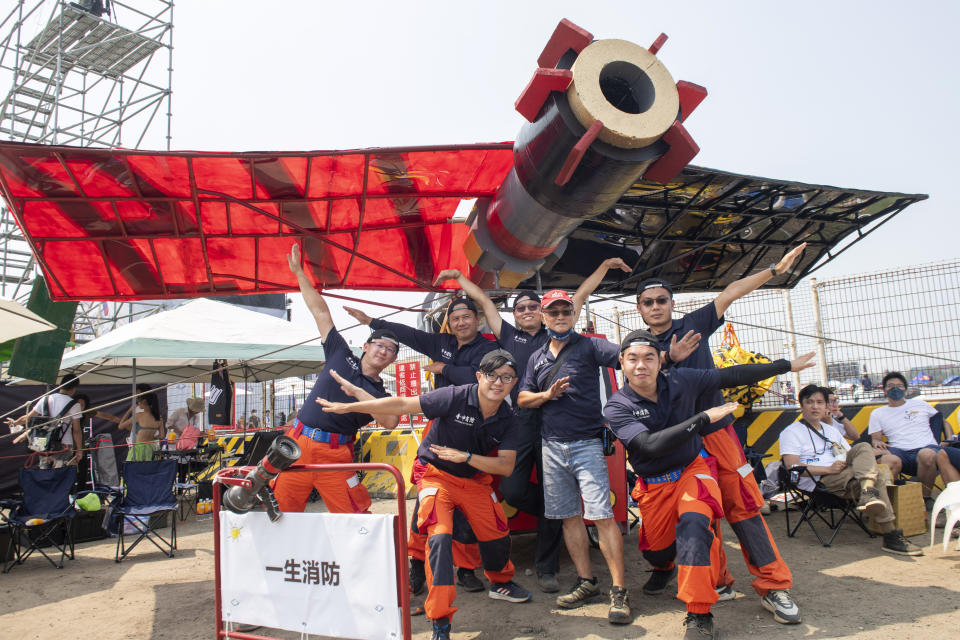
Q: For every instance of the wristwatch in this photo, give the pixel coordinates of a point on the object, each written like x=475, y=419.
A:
x=773, y=268
x=469, y=455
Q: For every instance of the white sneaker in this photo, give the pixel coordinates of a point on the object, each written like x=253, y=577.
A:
x=725, y=593
x=781, y=605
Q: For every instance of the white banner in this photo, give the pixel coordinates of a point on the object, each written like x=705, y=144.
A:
x=328, y=574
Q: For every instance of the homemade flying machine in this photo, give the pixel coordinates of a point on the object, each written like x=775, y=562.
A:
x=599, y=170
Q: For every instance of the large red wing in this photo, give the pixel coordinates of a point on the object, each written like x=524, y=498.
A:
x=108, y=224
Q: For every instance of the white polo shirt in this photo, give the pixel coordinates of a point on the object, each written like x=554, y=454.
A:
x=799, y=441
x=907, y=427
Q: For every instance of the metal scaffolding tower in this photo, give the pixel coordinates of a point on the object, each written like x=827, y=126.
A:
x=93, y=73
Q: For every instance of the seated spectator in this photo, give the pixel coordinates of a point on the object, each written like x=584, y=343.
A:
x=906, y=423
x=184, y=416
x=845, y=471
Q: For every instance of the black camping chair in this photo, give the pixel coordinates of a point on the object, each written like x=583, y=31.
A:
x=146, y=502
x=43, y=517
x=816, y=506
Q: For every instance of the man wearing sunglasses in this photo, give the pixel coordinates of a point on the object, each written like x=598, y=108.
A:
x=738, y=487
x=326, y=438
x=562, y=380
x=526, y=335
x=470, y=422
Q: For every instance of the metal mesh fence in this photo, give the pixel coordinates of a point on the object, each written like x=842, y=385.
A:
x=905, y=320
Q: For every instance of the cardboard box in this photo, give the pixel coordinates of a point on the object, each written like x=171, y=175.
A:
x=907, y=502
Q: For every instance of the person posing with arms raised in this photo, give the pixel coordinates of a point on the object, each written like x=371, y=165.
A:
x=657, y=419
x=469, y=423
x=741, y=496
x=526, y=335
x=562, y=380
x=326, y=438
x=456, y=356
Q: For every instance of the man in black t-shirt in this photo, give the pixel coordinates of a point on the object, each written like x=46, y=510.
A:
x=470, y=422
x=325, y=438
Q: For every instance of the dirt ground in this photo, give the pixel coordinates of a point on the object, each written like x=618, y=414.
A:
x=850, y=590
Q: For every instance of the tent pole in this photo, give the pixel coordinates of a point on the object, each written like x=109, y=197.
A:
x=133, y=402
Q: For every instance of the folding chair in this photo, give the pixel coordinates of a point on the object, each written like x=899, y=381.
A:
x=43, y=517
x=816, y=505
x=148, y=492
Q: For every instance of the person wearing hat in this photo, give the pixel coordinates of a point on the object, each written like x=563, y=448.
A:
x=456, y=356
x=562, y=380
x=741, y=496
x=470, y=423
x=328, y=439
x=521, y=338
x=657, y=417
x=185, y=416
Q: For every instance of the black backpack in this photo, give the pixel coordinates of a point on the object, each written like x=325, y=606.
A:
x=45, y=432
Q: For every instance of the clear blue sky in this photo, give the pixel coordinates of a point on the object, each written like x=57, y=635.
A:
x=854, y=94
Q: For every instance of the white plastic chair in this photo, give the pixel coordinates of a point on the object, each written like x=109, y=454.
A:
x=948, y=499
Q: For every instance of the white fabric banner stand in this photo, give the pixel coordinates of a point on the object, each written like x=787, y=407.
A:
x=315, y=573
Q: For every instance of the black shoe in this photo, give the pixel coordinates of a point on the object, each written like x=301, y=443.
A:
x=441, y=629
x=699, y=626
x=658, y=581
x=509, y=591
x=418, y=577
x=548, y=582
x=467, y=579
x=894, y=542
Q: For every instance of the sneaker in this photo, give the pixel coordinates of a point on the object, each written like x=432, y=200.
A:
x=548, y=582
x=894, y=542
x=467, y=579
x=619, y=612
x=725, y=593
x=658, y=581
x=870, y=501
x=699, y=626
x=509, y=591
x=418, y=577
x=582, y=592
x=441, y=629
x=781, y=605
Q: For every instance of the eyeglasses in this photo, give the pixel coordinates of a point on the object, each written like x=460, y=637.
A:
x=564, y=311
x=649, y=302
x=521, y=308
x=505, y=378
x=383, y=347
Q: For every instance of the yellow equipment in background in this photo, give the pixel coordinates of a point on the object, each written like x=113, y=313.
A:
x=730, y=354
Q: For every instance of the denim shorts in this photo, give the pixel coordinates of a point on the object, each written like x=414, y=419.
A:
x=909, y=457
x=573, y=471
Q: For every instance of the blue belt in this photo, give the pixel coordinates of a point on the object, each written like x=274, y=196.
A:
x=671, y=476
x=319, y=435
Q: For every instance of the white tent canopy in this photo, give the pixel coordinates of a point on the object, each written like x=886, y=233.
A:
x=181, y=345
x=16, y=321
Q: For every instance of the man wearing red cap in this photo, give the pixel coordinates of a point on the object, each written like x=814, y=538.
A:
x=562, y=380
x=526, y=335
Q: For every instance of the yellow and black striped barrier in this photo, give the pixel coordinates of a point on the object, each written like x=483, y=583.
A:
x=398, y=447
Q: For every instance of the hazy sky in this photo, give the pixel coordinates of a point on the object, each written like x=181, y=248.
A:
x=853, y=94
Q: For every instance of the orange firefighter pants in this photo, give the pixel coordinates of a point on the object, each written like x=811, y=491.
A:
x=440, y=494
x=741, y=504
x=679, y=521
x=341, y=490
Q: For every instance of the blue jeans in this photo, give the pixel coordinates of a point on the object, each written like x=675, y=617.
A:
x=575, y=471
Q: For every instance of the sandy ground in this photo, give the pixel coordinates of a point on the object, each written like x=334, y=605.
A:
x=851, y=590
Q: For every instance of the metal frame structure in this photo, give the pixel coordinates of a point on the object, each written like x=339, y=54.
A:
x=92, y=73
